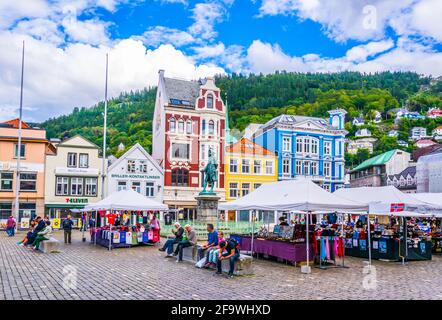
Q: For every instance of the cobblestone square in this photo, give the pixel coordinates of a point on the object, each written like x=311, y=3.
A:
x=144, y=273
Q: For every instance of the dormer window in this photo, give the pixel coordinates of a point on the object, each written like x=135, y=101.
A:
x=210, y=101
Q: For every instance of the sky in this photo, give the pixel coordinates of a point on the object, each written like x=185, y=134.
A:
x=66, y=43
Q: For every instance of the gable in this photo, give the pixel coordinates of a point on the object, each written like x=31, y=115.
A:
x=78, y=141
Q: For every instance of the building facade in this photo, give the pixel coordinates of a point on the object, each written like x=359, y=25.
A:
x=73, y=177
x=189, y=120
x=405, y=181
x=418, y=133
x=374, y=172
x=365, y=143
x=34, y=148
x=429, y=172
x=247, y=167
x=307, y=146
x=137, y=170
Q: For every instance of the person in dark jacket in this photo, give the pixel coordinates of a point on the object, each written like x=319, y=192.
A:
x=168, y=245
x=41, y=224
x=67, y=227
x=231, y=253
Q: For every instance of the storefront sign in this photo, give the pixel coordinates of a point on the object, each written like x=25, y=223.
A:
x=77, y=171
x=77, y=200
x=135, y=176
x=56, y=223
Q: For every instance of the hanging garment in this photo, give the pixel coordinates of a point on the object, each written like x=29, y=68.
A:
x=341, y=249
x=323, y=252
x=327, y=248
x=335, y=246
x=315, y=242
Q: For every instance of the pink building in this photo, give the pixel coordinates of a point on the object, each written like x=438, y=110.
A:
x=34, y=148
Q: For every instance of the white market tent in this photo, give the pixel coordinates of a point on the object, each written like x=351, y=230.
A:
x=293, y=195
x=126, y=200
x=300, y=194
x=431, y=198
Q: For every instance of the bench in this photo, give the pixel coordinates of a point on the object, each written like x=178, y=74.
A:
x=48, y=246
x=243, y=265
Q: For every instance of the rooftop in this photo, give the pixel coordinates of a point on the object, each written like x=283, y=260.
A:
x=182, y=92
x=377, y=160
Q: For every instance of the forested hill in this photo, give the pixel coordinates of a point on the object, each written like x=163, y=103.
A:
x=258, y=98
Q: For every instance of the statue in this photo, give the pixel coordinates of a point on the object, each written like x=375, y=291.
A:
x=210, y=174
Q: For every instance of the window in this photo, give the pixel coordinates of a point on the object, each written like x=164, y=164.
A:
x=181, y=151
x=90, y=187
x=180, y=177
x=84, y=160
x=256, y=185
x=62, y=186
x=203, y=127
x=233, y=190
x=28, y=181
x=307, y=168
x=409, y=181
x=314, y=144
x=26, y=209
x=210, y=101
x=327, y=148
x=136, y=186
x=142, y=166
x=286, y=144
x=286, y=167
x=245, y=166
x=306, y=145
x=131, y=166
x=22, y=151
x=5, y=210
x=245, y=189
x=314, y=168
x=150, y=189
x=77, y=186
x=122, y=185
x=203, y=151
x=269, y=167
x=181, y=126
x=211, y=127
x=189, y=127
x=172, y=125
x=6, y=179
x=233, y=168
x=257, y=167
x=298, y=167
x=327, y=171
x=72, y=159
x=299, y=142
x=326, y=187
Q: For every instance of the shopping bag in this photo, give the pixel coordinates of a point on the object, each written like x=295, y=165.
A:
x=140, y=237
x=134, y=238
x=201, y=263
x=145, y=237
x=116, y=238
x=156, y=236
x=128, y=237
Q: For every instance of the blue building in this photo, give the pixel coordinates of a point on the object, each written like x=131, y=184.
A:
x=307, y=146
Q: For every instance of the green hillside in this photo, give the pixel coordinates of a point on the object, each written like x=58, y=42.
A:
x=258, y=98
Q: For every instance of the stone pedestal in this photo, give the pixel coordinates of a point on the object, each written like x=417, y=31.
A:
x=207, y=207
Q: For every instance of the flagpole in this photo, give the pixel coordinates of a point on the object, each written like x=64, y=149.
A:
x=19, y=144
x=103, y=173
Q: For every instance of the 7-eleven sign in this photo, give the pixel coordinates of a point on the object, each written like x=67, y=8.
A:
x=397, y=207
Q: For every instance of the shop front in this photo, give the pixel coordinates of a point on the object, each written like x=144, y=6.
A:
x=57, y=212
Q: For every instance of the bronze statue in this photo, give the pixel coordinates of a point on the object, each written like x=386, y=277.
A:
x=210, y=173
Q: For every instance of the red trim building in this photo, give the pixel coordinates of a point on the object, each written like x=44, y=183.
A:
x=189, y=120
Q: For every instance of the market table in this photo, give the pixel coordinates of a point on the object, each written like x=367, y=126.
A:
x=290, y=251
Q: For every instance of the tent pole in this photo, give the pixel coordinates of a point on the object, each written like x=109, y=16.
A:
x=343, y=237
x=253, y=234
x=369, y=241
x=96, y=223
x=110, y=235
x=307, y=268
x=404, y=221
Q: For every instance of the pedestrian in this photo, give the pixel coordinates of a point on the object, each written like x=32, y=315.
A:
x=43, y=235
x=10, y=226
x=189, y=239
x=67, y=227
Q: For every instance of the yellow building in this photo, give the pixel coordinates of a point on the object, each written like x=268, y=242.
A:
x=248, y=165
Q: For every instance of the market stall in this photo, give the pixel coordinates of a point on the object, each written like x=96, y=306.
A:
x=393, y=230
x=436, y=228
x=125, y=219
x=300, y=195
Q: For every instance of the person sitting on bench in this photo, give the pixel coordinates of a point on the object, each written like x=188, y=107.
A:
x=189, y=239
x=229, y=250
x=212, y=241
x=168, y=245
x=43, y=235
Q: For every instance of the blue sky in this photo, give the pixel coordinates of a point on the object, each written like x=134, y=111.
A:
x=67, y=40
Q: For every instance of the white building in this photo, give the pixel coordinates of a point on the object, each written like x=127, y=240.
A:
x=393, y=133
x=429, y=173
x=365, y=143
x=437, y=133
x=418, y=133
x=136, y=169
x=363, y=133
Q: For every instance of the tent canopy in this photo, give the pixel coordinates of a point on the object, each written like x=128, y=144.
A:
x=126, y=200
x=300, y=194
x=431, y=198
x=381, y=199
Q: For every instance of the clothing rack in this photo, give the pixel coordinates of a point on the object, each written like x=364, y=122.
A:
x=333, y=261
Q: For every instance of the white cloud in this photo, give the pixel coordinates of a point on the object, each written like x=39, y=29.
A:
x=362, y=52
x=157, y=35
x=91, y=31
x=56, y=80
x=11, y=11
